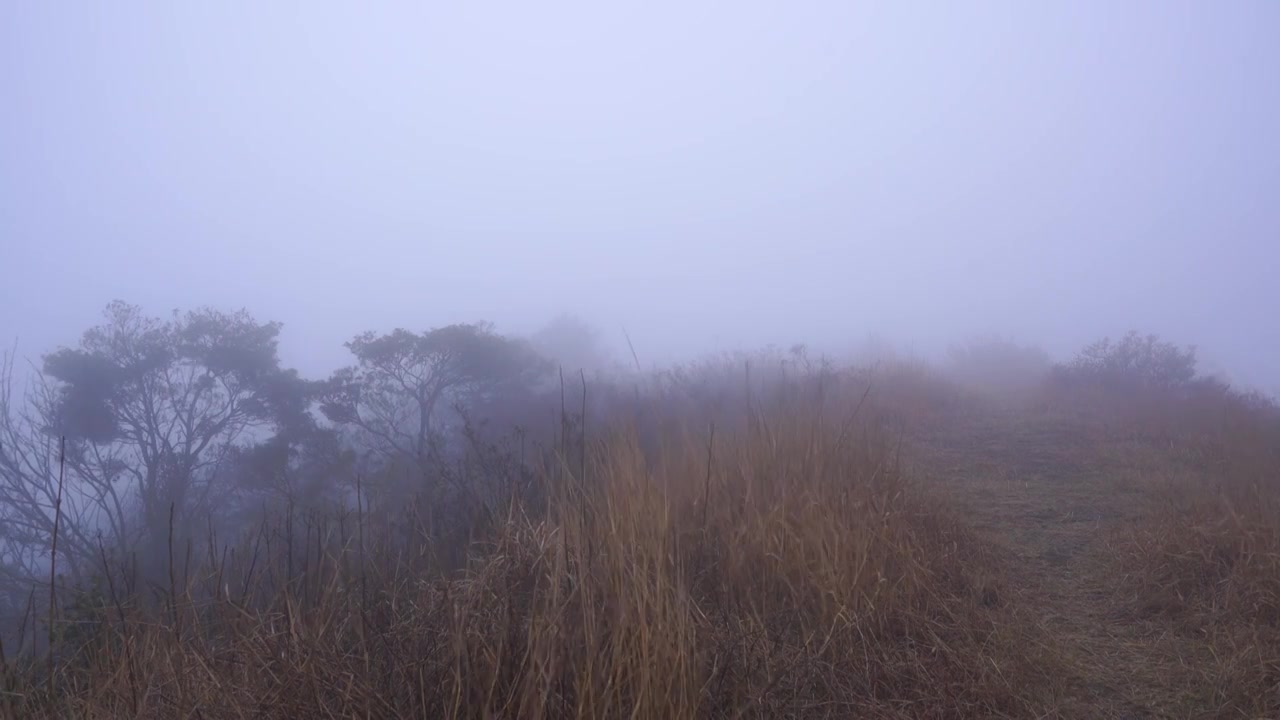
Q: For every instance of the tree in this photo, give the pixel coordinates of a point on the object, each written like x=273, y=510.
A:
x=151, y=411
x=393, y=394
x=572, y=343
x=305, y=467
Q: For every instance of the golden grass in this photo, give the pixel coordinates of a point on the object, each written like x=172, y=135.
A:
x=786, y=569
x=1089, y=555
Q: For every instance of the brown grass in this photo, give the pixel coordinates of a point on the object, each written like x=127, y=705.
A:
x=1204, y=561
x=1090, y=555
x=786, y=569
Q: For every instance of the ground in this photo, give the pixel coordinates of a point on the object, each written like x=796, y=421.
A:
x=1050, y=499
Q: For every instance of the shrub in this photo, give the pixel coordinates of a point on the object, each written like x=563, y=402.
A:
x=1135, y=361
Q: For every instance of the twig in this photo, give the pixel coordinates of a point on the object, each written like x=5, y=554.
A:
x=128, y=651
x=364, y=586
x=173, y=582
x=634, y=357
x=53, y=559
x=583, y=374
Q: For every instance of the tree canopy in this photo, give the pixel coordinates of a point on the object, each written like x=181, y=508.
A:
x=151, y=410
x=393, y=393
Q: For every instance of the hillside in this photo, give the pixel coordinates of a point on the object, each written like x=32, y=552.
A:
x=854, y=543
x=1070, y=507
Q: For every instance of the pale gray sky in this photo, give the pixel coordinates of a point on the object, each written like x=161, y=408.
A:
x=709, y=175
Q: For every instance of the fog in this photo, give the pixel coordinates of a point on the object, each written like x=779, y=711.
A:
x=706, y=176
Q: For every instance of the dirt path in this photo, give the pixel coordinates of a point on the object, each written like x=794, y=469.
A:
x=1042, y=492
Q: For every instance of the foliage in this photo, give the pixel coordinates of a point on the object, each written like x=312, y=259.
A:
x=392, y=396
x=571, y=343
x=1135, y=361
x=151, y=411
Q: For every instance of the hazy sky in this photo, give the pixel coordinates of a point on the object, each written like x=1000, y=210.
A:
x=705, y=174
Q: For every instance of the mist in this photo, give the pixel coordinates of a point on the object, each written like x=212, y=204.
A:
x=646, y=360
x=705, y=177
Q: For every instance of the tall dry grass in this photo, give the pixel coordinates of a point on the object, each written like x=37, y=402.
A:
x=784, y=568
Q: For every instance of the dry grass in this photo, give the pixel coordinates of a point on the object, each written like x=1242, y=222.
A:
x=785, y=569
x=1204, y=561
x=1090, y=555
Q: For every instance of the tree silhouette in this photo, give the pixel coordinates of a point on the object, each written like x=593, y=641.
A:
x=393, y=394
x=151, y=411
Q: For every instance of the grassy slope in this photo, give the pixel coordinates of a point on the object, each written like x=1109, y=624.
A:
x=997, y=564
x=1124, y=552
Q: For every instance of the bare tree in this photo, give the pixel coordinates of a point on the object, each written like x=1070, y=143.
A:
x=29, y=459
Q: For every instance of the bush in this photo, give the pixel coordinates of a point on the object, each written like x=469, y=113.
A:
x=1135, y=361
